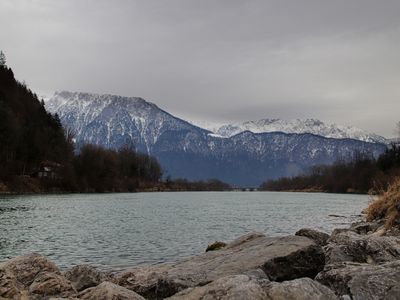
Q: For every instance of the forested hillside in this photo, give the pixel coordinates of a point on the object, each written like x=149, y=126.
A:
x=37, y=155
x=28, y=134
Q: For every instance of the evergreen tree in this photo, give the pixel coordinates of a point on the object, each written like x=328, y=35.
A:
x=2, y=58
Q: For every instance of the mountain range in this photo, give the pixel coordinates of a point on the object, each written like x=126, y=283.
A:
x=243, y=154
x=313, y=126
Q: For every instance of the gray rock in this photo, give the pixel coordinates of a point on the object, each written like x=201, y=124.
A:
x=300, y=289
x=26, y=268
x=109, y=291
x=238, y=287
x=85, y=276
x=235, y=287
x=350, y=246
x=320, y=238
x=215, y=246
x=61, y=298
x=148, y=281
x=302, y=263
x=281, y=258
x=363, y=281
x=365, y=227
x=52, y=284
x=9, y=287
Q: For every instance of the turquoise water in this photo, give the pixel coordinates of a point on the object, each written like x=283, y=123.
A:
x=114, y=231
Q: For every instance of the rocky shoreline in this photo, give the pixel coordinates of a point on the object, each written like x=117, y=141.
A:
x=361, y=262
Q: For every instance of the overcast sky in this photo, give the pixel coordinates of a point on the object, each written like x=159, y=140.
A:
x=338, y=61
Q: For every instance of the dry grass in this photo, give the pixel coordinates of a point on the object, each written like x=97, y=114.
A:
x=387, y=206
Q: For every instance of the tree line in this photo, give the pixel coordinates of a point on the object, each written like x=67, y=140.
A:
x=181, y=184
x=362, y=174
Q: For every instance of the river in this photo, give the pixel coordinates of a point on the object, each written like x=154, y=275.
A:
x=114, y=231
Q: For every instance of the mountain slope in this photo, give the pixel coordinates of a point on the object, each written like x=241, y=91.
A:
x=185, y=150
x=115, y=121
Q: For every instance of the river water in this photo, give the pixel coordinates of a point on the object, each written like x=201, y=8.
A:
x=115, y=231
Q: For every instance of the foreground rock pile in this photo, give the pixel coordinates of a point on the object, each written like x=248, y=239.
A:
x=362, y=262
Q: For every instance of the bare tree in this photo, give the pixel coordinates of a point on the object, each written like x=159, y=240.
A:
x=398, y=130
x=70, y=135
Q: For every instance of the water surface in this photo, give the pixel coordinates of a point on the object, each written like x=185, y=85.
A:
x=113, y=231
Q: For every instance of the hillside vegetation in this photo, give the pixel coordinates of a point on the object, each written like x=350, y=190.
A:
x=28, y=134
x=362, y=174
x=37, y=154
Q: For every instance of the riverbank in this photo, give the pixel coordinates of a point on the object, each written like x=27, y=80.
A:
x=361, y=262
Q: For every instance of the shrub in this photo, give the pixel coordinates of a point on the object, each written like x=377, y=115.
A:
x=387, y=206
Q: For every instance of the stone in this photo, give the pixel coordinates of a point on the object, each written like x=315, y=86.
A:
x=215, y=246
x=300, y=289
x=60, y=298
x=320, y=238
x=148, y=281
x=109, y=291
x=52, y=284
x=365, y=227
x=281, y=258
x=9, y=287
x=238, y=287
x=363, y=281
x=85, y=276
x=350, y=246
x=26, y=268
x=235, y=287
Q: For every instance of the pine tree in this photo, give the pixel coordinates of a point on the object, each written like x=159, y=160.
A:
x=2, y=58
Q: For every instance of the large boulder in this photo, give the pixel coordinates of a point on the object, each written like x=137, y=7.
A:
x=85, y=276
x=300, y=289
x=51, y=284
x=350, y=246
x=238, y=287
x=235, y=287
x=26, y=268
x=281, y=258
x=320, y=238
x=363, y=281
x=109, y=291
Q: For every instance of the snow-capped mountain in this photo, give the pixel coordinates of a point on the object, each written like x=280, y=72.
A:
x=313, y=126
x=114, y=121
x=186, y=150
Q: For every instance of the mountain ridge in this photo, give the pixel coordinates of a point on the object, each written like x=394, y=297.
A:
x=186, y=150
x=310, y=125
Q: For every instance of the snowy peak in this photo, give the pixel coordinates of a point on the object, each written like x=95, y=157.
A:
x=312, y=126
x=113, y=121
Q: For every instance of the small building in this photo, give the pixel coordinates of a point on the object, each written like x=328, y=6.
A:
x=48, y=169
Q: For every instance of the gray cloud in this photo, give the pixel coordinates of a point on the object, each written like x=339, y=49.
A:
x=217, y=60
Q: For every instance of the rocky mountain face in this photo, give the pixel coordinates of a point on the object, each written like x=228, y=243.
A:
x=184, y=150
x=313, y=126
